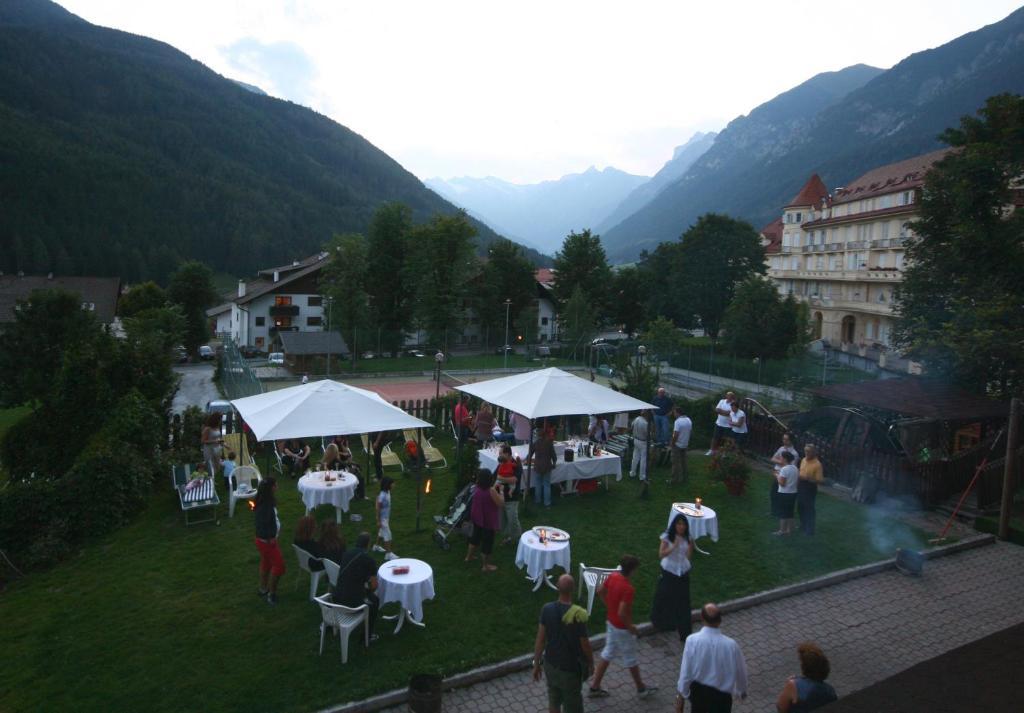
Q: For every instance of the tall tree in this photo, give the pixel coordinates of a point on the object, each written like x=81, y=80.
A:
x=667, y=295
x=716, y=255
x=582, y=264
x=760, y=323
x=143, y=296
x=526, y=326
x=192, y=289
x=577, y=321
x=441, y=263
x=344, y=282
x=662, y=336
x=507, y=275
x=387, y=285
x=629, y=295
x=961, y=305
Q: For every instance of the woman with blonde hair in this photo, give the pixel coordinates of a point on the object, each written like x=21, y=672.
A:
x=484, y=425
x=332, y=458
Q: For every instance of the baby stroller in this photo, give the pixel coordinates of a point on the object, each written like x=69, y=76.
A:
x=457, y=514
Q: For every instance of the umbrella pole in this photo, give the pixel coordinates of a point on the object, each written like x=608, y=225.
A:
x=366, y=473
x=419, y=476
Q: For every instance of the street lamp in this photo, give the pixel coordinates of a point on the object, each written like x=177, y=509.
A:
x=641, y=352
x=438, y=360
x=757, y=360
x=508, y=311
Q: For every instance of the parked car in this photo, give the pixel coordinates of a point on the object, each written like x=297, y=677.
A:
x=276, y=359
x=415, y=353
x=543, y=351
x=251, y=352
x=505, y=350
x=181, y=355
x=368, y=355
x=206, y=353
x=218, y=406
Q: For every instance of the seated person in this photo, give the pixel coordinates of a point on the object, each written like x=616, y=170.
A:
x=305, y=531
x=296, y=455
x=598, y=431
x=331, y=545
x=500, y=436
x=357, y=580
x=332, y=459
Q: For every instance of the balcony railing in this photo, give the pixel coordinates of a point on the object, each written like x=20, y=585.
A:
x=888, y=243
x=284, y=310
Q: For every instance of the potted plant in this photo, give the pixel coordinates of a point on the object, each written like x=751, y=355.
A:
x=731, y=468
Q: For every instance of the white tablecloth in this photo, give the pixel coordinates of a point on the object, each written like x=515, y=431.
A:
x=410, y=590
x=579, y=469
x=707, y=524
x=538, y=558
x=314, y=491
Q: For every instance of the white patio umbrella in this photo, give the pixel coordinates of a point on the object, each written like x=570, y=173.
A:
x=321, y=408
x=552, y=392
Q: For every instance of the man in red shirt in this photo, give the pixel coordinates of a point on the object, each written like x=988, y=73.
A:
x=620, y=643
x=462, y=418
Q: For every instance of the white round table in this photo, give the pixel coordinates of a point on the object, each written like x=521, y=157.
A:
x=706, y=524
x=538, y=558
x=410, y=590
x=315, y=490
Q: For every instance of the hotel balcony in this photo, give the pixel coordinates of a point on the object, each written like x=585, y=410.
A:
x=284, y=310
x=863, y=275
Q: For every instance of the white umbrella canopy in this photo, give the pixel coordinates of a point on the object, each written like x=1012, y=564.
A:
x=553, y=392
x=321, y=408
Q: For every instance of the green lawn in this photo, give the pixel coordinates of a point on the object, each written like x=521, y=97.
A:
x=165, y=618
x=10, y=416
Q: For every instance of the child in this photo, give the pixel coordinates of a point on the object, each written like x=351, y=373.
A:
x=509, y=472
x=384, y=518
x=228, y=464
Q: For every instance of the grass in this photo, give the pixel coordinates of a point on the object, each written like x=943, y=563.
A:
x=166, y=618
x=10, y=416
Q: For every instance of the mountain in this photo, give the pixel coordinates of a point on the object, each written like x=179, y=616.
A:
x=682, y=158
x=541, y=214
x=121, y=155
x=760, y=161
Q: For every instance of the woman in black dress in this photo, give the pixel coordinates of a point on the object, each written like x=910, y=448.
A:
x=671, y=608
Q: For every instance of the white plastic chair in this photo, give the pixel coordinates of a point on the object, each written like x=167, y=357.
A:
x=593, y=577
x=247, y=480
x=314, y=577
x=332, y=568
x=344, y=620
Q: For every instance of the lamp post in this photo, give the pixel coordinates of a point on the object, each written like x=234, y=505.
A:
x=641, y=351
x=757, y=360
x=504, y=351
x=438, y=360
x=330, y=301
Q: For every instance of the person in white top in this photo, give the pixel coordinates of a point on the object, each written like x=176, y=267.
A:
x=786, y=499
x=713, y=670
x=521, y=427
x=786, y=447
x=723, y=426
x=738, y=424
x=671, y=608
x=680, y=441
x=641, y=432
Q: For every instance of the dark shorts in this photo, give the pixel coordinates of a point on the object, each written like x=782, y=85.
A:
x=740, y=438
x=784, y=504
x=722, y=432
x=482, y=537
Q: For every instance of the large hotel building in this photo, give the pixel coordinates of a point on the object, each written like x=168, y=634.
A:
x=842, y=253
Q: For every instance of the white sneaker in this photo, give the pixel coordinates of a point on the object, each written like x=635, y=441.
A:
x=378, y=548
x=390, y=556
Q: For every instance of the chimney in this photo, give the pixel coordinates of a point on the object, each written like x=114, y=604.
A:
x=277, y=275
x=241, y=288
x=295, y=263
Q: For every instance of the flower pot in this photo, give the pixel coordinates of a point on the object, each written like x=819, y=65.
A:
x=735, y=487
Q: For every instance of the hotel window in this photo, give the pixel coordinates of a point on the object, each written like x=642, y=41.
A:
x=799, y=217
x=885, y=202
x=899, y=261
x=259, y=341
x=544, y=321
x=864, y=232
x=261, y=321
x=820, y=262
x=882, y=258
x=885, y=229
x=282, y=300
x=315, y=301
x=906, y=197
x=314, y=321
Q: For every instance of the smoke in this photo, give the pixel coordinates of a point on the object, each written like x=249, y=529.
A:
x=886, y=528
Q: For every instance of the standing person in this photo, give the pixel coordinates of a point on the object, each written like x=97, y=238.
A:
x=377, y=442
x=522, y=428
x=598, y=430
x=229, y=468
x=621, y=422
x=563, y=643
x=680, y=441
x=786, y=447
x=671, y=607
x=786, y=499
x=211, y=442
x=267, y=526
x=484, y=424
x=305, y=378
x=509, y=474
x=738, y=424
x=808, y=691
x=383, y=508
x=620, y=643
x=641, y=432
x=811, y=475
x=485, y=515
x=544, y=458
x=357, y=581
x=723, y=425
x=661, y=417
x=713, y=670
x=462, y=418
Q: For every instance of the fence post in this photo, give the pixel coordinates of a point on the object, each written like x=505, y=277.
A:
x=1009, y=469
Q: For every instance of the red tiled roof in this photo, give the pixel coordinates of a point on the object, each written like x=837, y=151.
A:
x=811, y=194
x=772, y=233
x=545, y=275
x=900, y=176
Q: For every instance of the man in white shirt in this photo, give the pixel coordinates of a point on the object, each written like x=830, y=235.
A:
x=713, y=669
x=723, y=424
x=640, y=431
x=680, y=441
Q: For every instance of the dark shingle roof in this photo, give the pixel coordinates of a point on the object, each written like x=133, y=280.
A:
x=100, y=292
x=916, y=396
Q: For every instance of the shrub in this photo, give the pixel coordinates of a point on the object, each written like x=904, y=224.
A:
x=33, y=528
x=469, y=464
x=107, y=485
x=729, y=467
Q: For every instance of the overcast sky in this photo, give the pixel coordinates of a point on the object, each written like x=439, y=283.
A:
x=528, y=91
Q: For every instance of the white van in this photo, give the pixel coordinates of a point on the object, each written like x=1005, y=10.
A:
x=276, y=358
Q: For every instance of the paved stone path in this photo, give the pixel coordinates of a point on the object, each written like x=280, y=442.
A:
x=870, y=628
x=196, y=387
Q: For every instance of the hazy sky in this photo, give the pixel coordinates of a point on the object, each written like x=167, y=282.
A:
x=528, y=91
